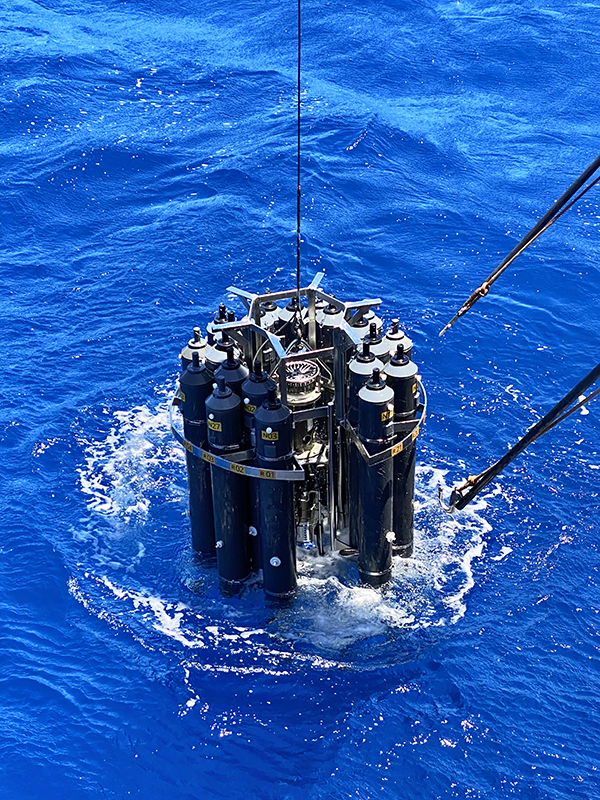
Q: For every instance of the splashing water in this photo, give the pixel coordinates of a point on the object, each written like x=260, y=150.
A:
x=121, y=472
x=124, y=475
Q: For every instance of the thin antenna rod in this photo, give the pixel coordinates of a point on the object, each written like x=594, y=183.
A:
x=298, y=193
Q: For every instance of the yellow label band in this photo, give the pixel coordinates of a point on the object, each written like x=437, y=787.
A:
x=214, y=426
x=397, y=448
x=386, y=415
x=208, y=457
x=182, y=395
x=415, y=387
x=249, y=408
x=270, y=437
x=415, y=433
x=188, y=445
x=266, y=473
x=239, y=468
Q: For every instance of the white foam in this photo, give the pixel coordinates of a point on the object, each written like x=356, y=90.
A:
x=125, y=471
x=429, y=589
x=121, y=471
x=135, y=464
x=198, y=642
x=502, y=554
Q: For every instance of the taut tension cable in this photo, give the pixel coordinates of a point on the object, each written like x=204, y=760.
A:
x=542, y=225
x=298, y=191
x=475, y=483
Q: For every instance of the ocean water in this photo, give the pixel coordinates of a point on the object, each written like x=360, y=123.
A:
x=148, y=162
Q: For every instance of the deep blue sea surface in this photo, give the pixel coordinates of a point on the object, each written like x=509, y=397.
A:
x=147, y=162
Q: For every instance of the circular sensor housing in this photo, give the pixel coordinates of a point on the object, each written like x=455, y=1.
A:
x=302, y=379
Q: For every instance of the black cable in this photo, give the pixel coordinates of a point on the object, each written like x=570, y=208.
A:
x=568, y=413
x=543, y=224
x=549, y=215
x=298, y=191
x=507, y=262
x=555, y=415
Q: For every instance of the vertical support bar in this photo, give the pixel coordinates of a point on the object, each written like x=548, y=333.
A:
x=312, y=325
x=248, y=347
x=332, y=459
x=339, y=382
x=339, y=359
x=341, y=475
x=283, y=381
x=256, y=339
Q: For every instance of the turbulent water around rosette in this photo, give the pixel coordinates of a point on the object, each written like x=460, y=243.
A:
x=148, y=162
x=334, y=617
